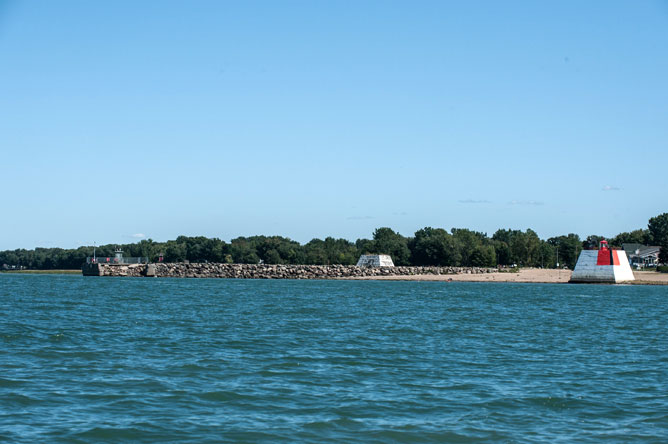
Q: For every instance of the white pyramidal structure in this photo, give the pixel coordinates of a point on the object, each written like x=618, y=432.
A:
x=604, y=265
x=375, y=260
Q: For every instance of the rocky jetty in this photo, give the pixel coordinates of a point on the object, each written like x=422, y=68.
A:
x=253, y=271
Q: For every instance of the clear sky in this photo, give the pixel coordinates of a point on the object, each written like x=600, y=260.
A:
x=124, y=119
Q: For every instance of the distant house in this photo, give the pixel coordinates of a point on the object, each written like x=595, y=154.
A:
x=375, y=260
x=641, y=256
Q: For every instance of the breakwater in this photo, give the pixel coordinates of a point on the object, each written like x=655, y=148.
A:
x=263, y=271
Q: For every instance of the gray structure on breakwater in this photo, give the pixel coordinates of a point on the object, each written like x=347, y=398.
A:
x=264, y=271
x=375, y=260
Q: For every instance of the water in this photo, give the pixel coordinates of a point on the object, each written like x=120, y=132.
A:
x=87, y=360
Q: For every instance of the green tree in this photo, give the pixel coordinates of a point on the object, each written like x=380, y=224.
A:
x=658, y=229
x=387, y=241
x=523, y=247
x=468, y=242
x=633, y=237
x=508, y=246
x=547, y=255
x=503, y=253
x=567, y=248
x=434, y=246
x=277, y=249
x=340, y=251
x=483, y=256
x=174, y=251
x=243, y=251
x=315, y=252
x=365, y=246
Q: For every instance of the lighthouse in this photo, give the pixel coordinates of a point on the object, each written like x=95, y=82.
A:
x=604, y=265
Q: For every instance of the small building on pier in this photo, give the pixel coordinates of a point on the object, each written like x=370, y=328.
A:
x=375, y=260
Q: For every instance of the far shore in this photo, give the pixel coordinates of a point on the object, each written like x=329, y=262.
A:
x=524, y=275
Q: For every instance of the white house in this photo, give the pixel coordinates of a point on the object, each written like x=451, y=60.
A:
x=642, y=256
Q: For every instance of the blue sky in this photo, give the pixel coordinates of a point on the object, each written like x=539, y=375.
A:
x=306, y=119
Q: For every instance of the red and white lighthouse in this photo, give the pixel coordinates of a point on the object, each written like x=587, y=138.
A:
x=605, y=265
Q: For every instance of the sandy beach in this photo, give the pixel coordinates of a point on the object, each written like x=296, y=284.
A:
x=525, y=275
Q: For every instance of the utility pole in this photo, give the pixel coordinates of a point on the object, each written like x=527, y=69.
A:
x=557, y=256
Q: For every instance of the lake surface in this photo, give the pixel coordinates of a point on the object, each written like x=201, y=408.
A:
x=87, y=360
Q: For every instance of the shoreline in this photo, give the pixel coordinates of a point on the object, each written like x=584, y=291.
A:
x=523, y=276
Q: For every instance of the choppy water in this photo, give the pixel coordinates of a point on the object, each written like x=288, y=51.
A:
x=198, y=360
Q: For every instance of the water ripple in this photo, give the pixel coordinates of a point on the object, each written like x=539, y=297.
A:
x=178, y=360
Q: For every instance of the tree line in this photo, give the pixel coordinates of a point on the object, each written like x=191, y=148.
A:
x=428, y=246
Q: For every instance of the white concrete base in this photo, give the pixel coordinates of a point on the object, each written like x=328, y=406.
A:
x=375, y=260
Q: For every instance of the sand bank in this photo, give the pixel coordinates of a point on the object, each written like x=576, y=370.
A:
x=525, y=275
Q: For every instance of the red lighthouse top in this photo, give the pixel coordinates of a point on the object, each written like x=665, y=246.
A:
x=606, y=256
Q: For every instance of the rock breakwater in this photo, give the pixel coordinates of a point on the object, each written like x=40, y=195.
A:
x=257, y=271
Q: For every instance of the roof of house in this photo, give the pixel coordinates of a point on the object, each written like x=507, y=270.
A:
x=631, y=248
x=642, y=250
x=652, y=249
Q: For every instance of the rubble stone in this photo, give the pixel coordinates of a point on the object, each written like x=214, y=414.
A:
x=263, y=271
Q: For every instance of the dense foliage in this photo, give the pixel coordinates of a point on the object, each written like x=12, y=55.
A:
x=658, y=232
x=428, y=246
